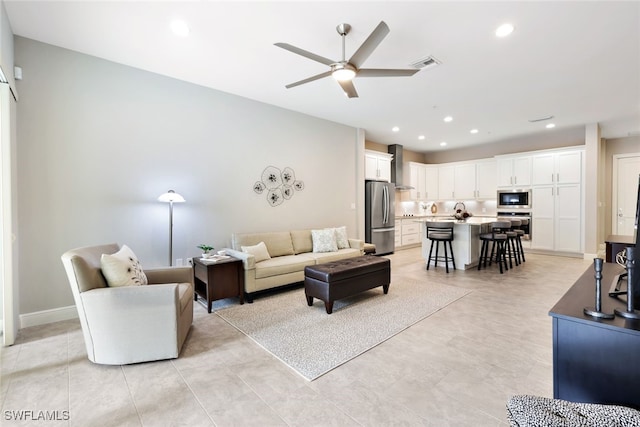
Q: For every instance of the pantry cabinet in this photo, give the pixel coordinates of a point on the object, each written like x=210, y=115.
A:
x=377, y=165
x=557, y=201
x=556, y=168
x=557, y=218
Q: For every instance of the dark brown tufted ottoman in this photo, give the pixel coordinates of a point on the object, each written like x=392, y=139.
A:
x=335, y=280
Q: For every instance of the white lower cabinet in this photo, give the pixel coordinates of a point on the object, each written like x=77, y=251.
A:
x=398, y=234
x=557, y=218
x=410, y=232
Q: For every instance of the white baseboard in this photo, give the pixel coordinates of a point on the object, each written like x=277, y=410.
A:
x=48, y=316
x=591, y=256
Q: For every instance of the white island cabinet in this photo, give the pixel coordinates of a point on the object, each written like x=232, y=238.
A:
x=466, y=240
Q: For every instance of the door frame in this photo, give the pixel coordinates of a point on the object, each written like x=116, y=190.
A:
x=614, y=187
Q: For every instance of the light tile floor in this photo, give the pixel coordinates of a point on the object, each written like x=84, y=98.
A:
x=458, y=367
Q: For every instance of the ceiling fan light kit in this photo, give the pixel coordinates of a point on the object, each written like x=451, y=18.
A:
x=344, y=71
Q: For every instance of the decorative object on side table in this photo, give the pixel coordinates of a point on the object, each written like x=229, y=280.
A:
x=630, y=312
x=597, y=311
x=460, y=212
x=205, y=250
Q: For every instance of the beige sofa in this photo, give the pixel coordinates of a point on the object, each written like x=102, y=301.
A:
x=290, y=252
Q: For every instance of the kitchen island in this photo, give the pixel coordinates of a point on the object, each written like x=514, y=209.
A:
x=466, y=238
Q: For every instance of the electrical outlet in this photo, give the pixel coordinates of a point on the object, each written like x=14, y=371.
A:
x=484, y=210
x=179, y=262
x=190, y=261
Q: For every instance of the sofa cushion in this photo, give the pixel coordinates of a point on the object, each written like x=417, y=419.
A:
x=259, y=251
x=278, y=243
x=302, y=241
x=334, y=256
x=283, y=265
x=324, y=240
x=342, y=240
x=122, y=268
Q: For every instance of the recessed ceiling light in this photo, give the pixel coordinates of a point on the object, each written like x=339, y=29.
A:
x=442, y=144
x=448, y=119
x=421, y=137
x=473, y=131
x=395, y=129
x=550, y=126
x=179, y=28
x=504, y=30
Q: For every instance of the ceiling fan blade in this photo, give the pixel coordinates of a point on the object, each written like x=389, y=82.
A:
x=381, y=72
x=310, y=79
x=305, y=53
x=370, y=44
x=348, y=88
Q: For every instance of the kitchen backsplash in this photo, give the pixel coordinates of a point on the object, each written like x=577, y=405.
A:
x=476, y=208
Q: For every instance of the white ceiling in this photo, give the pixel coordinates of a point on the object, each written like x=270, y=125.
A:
x=577, y=61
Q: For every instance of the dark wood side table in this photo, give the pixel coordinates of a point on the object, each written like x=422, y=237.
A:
x=595, y=360
x=217, y=280
x=615, y=244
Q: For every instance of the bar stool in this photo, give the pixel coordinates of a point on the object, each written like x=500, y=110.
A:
x=513, y=250
x=440, y=232
x=523, y=223
x=498, y=240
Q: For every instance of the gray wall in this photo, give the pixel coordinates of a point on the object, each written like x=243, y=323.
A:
x=99, y=142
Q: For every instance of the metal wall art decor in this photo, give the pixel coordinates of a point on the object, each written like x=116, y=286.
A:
x=280, y=184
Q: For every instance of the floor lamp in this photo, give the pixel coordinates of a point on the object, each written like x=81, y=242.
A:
x=171, y=197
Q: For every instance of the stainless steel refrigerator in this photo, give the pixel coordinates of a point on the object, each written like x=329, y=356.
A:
x=379, y=219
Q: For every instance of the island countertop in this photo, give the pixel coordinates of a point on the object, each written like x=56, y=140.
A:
x=474, y=220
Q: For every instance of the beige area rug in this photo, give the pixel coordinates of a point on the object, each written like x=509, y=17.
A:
x=312, y=342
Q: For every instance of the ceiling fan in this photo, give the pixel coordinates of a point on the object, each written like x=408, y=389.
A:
x=344, y=71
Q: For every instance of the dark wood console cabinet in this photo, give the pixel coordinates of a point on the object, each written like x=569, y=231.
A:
x=594, y=360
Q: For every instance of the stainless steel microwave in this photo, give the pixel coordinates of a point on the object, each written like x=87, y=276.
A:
x=514, y=199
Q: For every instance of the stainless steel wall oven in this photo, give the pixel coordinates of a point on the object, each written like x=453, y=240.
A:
x=514, y=199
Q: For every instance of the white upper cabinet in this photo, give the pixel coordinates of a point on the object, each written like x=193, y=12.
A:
x=424, y=180
x=514, y=171
x=377, y=165
x=486, y=179
x=446, y=182
x=464, y=181
x=557, y=168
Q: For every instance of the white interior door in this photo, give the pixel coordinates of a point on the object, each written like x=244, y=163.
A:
x=626, y=169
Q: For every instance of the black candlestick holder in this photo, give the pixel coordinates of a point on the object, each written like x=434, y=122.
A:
x=630, y=312
x=597, y=310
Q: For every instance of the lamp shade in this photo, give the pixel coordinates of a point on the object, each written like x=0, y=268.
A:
x=171, y=196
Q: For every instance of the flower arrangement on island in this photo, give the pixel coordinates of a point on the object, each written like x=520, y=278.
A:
x=460, y=212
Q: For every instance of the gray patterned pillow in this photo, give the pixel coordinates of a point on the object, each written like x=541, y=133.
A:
x=324, y=240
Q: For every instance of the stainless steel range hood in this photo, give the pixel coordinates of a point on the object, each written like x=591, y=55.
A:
x=397, y=176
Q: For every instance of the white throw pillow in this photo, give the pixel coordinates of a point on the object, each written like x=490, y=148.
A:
x=122, y=268
x=324, y=240
x=341, y=237
x=259, y=251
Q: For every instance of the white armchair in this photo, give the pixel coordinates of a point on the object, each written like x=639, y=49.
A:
x=129, y=324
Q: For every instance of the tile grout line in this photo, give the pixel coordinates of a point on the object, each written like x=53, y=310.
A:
x=124, y=375
x=195, y=396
